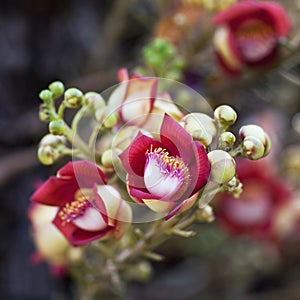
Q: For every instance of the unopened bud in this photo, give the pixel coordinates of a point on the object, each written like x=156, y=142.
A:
x=47, y=155
x=249, y=132
x=52, y=140
x=73, y=98
x=111, y=120
x=227, y=139
x=57, y=127
x=44, y=115
x=95, y=99
x=222, y=166
x=141, y=272
x=204, y=138
x=206, y=214
x=46, y=95
x=57, y=88
x=252, y=148
x=107, y=158
x=225, y=115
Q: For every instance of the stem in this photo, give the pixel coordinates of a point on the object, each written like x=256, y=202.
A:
x=61, y=110
x=78, y=117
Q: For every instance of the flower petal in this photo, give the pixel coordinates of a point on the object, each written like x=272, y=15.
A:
x=158, y=205
x=133, y=157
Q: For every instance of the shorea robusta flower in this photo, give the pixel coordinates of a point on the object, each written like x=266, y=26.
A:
x=87, y=208
x=166, y=173
x=248, y=33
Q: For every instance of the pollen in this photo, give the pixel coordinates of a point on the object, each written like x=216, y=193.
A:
x=76, y=208
x=173, y=166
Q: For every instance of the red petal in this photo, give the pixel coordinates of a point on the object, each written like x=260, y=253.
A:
x=134, y=158
x=201, y=168
x=56, y=191
x=77, y=236
x=176, y=139
x=85, y=172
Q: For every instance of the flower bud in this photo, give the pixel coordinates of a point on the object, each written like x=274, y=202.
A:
x=255, y=131
x=47, y=155
x=206, y=214
x=222, y=166
x=227, y=139
x=252, y=148
x=95, y=99
x=107, y=158
x=200, y=126
x=73, y=98
x=225, y=115
x=46, y=95
x=57, y=127
x=57, y=88
x=141, y=272
x=44, y=115
x=52, y=140
x=111, y=120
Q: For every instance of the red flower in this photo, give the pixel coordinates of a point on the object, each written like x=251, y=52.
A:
x=264, y=194
x=88, y=209
x=168, y=172
x=249, y=34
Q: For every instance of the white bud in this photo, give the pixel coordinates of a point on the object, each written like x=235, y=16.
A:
x=225, y=114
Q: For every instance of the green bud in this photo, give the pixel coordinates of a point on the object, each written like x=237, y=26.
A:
x=46, y=95
x=163, y=47
x=222, y=166
x=57, y=88
x=73, y=98
x=252, y=130
x=44, y=115
x=57, y=127
x=52, y=140
x=178, y=64
x=111, y=120
x=227, y=139
x=107, y=158
x=252, y=148
x=47, y=155
x=141, y=271
x=225, y=115
x=95, y=99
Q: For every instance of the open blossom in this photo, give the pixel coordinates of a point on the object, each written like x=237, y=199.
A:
x=167, y=172
x=88, y=209
x=137, y=98
x=249, y=33
x=264, y=195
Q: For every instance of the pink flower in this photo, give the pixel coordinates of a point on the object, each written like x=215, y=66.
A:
x=88, y=209
x=264, y=194
x=249, y=33
x=136, y=98
x=167, y=172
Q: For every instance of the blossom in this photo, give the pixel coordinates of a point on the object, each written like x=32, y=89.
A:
x=136, y=99
x=167, y=172
x=249, y=33
x=264, y=194
x=88, y=209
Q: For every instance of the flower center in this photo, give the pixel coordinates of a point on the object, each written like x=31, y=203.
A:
x=165, y=175
x=76, y=208
x=256, y=39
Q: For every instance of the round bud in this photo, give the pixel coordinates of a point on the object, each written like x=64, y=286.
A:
x=206, y=214
x=46, y=95
x=73, y=98
x=225, y=114
x=52, y=140
x=95, y=99
x=252, y=148
x=57, y=127
x=252, y=130
x=107, y=158
x=44, y=115
x=222, y=166
x=111, y=120
x=227, y=139
x=47, y=155
x=200, y=126
x=57, y=88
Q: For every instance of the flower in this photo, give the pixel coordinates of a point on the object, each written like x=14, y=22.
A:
x=264, y=194
x=166, y=173
x=249, y=33
x=88, y=209
x=136, y=100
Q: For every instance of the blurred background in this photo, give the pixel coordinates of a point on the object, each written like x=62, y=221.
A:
x=83, y=44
